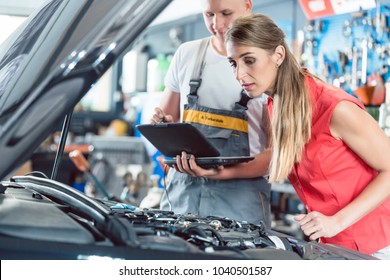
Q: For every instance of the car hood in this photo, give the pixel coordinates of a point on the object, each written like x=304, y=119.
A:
x=51, y=61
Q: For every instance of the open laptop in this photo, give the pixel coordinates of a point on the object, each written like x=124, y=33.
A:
x=173, y=138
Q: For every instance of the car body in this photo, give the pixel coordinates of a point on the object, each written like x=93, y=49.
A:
x=46, y=67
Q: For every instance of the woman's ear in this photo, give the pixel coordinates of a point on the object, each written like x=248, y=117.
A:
x=279, y=55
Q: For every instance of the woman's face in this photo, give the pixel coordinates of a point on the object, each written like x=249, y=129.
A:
x=219, y=14
x=256, y=69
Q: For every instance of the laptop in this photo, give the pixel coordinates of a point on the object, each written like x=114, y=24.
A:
x=173, y=138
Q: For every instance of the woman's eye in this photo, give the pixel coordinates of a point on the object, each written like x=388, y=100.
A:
x=232, y=64
x=249, y=61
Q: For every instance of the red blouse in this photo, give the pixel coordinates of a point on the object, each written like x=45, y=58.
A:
x=330, y=175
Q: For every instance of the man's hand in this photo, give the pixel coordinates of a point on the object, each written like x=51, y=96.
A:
x=159, y=116
x=187, y=164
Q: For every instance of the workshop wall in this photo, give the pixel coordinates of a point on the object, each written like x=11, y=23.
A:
x=352, y=51
x=348, y=49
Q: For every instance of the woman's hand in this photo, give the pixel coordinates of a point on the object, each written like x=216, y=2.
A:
x=316, y=225
x=187, y=164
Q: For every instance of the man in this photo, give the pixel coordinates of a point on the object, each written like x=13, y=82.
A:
x=239, y=192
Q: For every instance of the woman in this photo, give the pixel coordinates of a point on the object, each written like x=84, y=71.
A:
x=332, y=151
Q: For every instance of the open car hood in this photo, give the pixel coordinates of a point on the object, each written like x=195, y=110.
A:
x=50, y=62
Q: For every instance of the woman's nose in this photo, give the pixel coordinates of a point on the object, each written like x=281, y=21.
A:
x=239, y=73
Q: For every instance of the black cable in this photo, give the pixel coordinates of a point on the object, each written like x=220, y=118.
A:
x=166, y=167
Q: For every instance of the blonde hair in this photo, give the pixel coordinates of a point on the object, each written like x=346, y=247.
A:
x=292, y=114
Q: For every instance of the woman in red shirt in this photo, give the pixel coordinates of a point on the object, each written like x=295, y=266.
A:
x=333, y=152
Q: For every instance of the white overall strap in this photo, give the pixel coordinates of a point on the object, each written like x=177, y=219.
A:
x=198, y=68
x=200, y=62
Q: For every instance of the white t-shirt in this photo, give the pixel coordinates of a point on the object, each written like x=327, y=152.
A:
x=219, y=89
